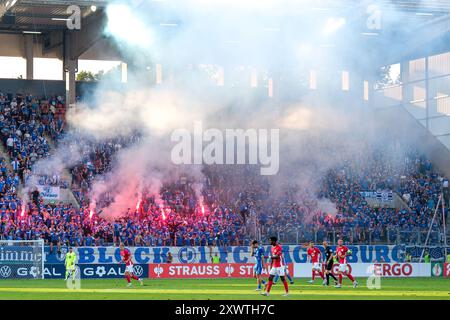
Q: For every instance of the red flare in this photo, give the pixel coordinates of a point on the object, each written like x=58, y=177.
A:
x=163, y=214
x=203, y=209
x=138, y=205
x=22, y=213
x=91, y=213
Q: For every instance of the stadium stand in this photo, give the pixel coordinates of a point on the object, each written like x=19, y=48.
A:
x=27, y=123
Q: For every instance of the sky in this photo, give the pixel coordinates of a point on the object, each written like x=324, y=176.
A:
x=49, y=69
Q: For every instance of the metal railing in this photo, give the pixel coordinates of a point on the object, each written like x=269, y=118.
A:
x=352, y=236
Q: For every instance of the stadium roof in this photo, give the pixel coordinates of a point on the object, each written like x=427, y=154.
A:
x=18, y=15
x=40, y=15
x=423, y=21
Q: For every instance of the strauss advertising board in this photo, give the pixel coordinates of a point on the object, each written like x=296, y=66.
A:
x=205, y=270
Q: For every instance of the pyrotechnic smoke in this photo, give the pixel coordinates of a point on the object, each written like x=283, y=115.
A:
x=316, y=134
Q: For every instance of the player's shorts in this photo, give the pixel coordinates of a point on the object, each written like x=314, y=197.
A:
x=278, y=271
x=257, y=269
x=343, y=267
x=316, y=266
x=129, y=268
x=70, y=267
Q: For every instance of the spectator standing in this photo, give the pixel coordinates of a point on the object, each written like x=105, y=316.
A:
x=169, y=258
x=215, y=259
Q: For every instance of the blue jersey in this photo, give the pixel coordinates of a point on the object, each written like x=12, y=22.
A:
x=258, y=254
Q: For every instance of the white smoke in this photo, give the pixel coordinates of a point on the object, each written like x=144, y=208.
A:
x=316, y=134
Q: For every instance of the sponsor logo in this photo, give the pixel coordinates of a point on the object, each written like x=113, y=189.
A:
x=395, y=269
x=100, y=271
x=20, y=271
x=34, y=271
x=436, y=270
x=5, y=271
x=138, y=271
x=205, y=270
x=229, y=270
x=158, y=271
x=52, y=271
x=21, y=254
x=377, y=269
x=55, y=271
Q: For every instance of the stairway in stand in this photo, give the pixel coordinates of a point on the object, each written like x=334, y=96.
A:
x=65, y=174
x=4, y=154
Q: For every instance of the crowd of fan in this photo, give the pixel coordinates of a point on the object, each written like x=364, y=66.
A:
x=26, y=124
x=238, y=202
x=96, y=158
x=354, y=219
x=175, y=221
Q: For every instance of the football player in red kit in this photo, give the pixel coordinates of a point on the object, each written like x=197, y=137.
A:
x=314, y=255
x=129, y=268
x=276, y=267
x=342, y=252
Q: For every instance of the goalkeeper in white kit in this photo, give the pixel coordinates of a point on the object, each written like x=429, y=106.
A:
x=71, y=258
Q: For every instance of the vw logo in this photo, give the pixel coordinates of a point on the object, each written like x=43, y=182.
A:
x=5, y=271
x=138, y=270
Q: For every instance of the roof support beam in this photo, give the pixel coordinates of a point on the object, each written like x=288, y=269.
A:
x=76, y=42
x=91, y=31
x=28, y=39
x=81, y=3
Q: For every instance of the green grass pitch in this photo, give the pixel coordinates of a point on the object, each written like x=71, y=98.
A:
x=222, y=289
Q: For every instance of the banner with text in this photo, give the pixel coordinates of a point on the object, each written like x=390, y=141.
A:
x=205, y=270
x=49, y=192
x=95, y=271
x=367, y=269
x=379, y=195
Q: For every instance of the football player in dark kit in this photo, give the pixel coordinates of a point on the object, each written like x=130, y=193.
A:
x=329, y=261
